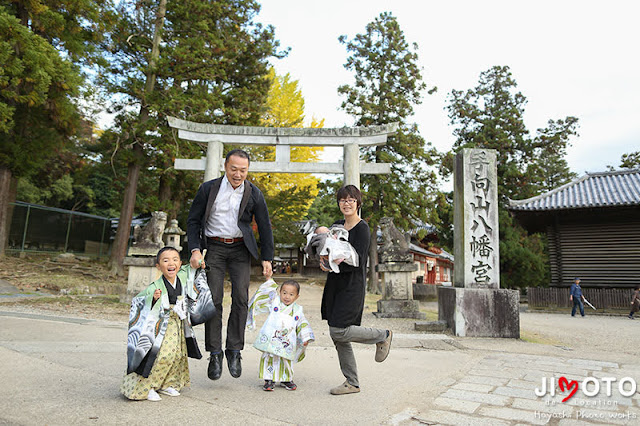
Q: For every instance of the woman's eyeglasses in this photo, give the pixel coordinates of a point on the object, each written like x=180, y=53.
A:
x=347, y=201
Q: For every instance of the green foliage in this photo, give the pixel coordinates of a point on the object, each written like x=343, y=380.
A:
x=37, y=85
x=630, y=160
x=60, y=190
x=523, y=258
x=324, y=209
x=444, y=219
x=491, y=116
x=283, y=216
x=72, y=27
x=388, y=84
x=551, y=170
x=212, y=67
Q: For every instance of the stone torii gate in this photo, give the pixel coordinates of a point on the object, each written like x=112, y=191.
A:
x=349, y=138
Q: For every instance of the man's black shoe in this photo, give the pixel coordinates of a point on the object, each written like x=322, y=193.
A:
x=233, y=362
x=215, y=366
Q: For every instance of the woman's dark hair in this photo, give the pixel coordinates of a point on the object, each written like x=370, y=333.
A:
x=238, y=153
x=349, y=191
x=292, y=283
x=163, y=249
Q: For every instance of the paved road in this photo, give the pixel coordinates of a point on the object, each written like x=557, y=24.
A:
x=67, y=370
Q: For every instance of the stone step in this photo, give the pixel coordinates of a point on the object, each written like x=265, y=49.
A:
x=431, y=326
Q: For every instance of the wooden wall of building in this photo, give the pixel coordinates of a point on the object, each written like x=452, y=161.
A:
x=602, y=249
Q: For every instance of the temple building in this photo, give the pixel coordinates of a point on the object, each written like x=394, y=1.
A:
x=592, y=226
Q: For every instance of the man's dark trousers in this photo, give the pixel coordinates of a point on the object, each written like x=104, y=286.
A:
x=236, y=259
x=577, y=302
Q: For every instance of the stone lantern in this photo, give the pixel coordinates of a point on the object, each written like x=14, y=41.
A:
x=397, y=267
x=172, y=235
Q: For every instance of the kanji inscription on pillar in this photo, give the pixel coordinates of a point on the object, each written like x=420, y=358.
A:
x=476, y=235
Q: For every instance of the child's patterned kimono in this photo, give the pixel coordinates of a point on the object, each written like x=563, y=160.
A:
x=158, y=341
x=272, y=366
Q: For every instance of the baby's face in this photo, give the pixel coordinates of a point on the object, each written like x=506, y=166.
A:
x=322, y=230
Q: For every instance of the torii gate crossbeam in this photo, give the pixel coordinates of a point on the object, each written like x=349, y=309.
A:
x=350, y=138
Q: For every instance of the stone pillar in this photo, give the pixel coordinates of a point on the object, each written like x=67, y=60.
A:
x=475, y=216
x=477, y=306
x=214, y=160
x=142, y=272
x=351, y=164
x=397, y=301
x=397, y=268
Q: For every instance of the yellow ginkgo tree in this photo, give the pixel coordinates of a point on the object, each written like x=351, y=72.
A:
x=288, y=195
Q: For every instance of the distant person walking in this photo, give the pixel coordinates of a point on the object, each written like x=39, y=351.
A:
x=635, y=302
x=577, y=297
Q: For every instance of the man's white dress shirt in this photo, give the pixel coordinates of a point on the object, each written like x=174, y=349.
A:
x=223, y=220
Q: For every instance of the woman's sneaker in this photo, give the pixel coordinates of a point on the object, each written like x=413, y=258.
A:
x=382, y=348
x=344, y=389
x=268, y=385
x=289, y=385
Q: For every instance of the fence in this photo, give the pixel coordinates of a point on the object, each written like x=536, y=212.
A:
x=558, y=297
x=36, y=228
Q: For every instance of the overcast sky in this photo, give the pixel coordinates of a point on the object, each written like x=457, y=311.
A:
x=569, y=58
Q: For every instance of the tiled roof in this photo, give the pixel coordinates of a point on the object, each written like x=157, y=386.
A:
x=605, y=189
x=444, y=255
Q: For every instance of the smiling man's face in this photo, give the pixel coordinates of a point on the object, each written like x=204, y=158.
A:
x=236, y=168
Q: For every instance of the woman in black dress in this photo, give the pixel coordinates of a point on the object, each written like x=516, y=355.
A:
x=343, y=297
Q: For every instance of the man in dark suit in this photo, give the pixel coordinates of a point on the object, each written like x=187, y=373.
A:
x=220, y=221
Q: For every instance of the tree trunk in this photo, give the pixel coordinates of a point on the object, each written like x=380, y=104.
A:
x=178, y=189
x=121, y=241
x=164, y=190
x=119, y=249
x=5, y=199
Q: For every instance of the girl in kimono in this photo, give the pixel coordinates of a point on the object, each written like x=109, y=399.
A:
x=160, y=336
x=284, y=335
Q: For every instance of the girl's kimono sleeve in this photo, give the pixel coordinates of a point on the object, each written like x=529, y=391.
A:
x=304, y=334
x=261, y=301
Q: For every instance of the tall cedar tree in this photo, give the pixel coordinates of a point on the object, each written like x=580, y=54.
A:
x=491, y=116
x=211, y=66
x=388, y=84
x=42, y=44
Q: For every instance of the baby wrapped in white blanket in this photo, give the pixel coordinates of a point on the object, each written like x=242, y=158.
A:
x=331, y=246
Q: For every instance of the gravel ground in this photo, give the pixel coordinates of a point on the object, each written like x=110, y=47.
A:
x=590, y=333
x=597, y=335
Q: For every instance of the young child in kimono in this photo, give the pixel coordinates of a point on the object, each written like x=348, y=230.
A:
x=160, y=336
x=284, y=335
